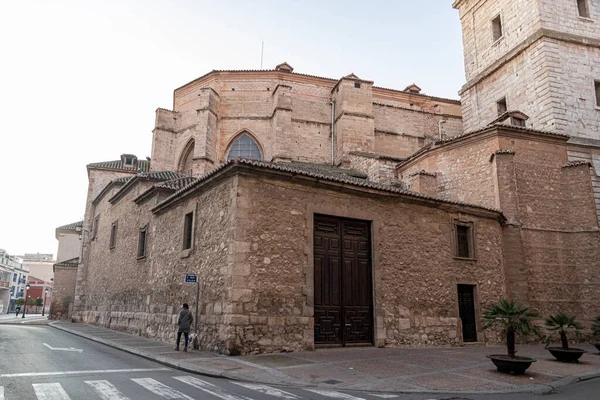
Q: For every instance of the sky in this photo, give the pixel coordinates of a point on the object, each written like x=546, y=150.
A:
x=80, y=80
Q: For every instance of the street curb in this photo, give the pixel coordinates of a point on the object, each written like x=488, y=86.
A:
x=543, y=388
x=146, y=355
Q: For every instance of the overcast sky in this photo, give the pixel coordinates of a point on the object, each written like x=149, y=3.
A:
x=80, y=80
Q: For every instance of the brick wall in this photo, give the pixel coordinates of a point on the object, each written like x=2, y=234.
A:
x=289, y=115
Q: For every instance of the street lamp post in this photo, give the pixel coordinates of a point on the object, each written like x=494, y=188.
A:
x=25, y=307
x=44, y=306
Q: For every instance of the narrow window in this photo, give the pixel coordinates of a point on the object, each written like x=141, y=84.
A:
x=188, y=230
x=357, y=85
x=142, y=242
x=95, y=227
x=464, y=240
x=502, y=106
x=582, y=6
x=113, y=235
x=128, y=160
x=497, y=31
x=597, y=87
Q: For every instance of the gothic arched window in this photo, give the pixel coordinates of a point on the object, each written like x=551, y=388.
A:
x=244, y=147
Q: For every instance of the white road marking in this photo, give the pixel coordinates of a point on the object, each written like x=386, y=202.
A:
x=386, y=396
x=106, y=390
x=50, y=391
x=268, y=390
x=62, y=349
x=98, y=371
x=334, y=395
x=159, y=389
x=1, y=392
x=207, y=387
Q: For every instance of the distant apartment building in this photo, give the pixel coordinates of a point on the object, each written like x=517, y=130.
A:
x=13, y=278
x=40, y=265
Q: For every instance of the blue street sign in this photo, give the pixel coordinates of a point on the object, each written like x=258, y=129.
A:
x=189, y=278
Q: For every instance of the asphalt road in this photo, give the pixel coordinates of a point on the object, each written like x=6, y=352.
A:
x=42, y=363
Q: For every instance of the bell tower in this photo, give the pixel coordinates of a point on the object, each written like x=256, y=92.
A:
x=538, y=57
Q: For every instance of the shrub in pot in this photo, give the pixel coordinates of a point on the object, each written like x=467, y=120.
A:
x=596, y=329
x=563, y=323
x=513, y=319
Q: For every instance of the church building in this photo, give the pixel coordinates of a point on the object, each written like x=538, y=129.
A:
x=333, y=212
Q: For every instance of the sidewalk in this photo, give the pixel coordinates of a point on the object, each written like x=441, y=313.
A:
x=431, y=370
x=29, y=319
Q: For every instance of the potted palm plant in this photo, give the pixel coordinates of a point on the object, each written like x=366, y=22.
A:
x=513, y=319
x=596, y=329
x=563, y=323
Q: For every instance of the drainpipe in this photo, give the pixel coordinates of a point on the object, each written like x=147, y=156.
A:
x=332, y=132
x=440, y=128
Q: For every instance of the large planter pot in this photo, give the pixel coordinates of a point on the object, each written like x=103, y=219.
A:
x=511, y=365
x=566, y=355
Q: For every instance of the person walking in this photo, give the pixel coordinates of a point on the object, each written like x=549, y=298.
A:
x=184, y=322
x=18, y=309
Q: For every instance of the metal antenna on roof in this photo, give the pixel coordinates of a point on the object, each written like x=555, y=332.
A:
x=262, y=49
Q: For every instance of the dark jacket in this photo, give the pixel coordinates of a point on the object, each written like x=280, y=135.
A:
x=185, y=320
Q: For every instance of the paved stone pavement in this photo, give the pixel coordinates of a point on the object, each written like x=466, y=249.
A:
x=430, y=370
x=29, y=319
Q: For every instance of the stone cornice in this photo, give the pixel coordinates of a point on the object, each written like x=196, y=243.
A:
x=378, y=92
x=524, y=45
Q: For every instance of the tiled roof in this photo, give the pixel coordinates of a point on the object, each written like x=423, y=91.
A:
x=161, y=175
x=153, y=176
x=577, y=163
x=142, y=166
x=176, y=184
x=73, y=262
x=71, y=226
x=323, y=174
x=439, y=143
x=123, y=179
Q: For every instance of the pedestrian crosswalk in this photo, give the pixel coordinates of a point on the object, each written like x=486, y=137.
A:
x=192, y=388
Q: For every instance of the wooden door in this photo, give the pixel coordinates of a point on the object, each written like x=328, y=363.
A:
x=343, y=288
x=466, y=309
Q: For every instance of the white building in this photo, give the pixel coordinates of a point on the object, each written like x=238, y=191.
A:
x=13, y=278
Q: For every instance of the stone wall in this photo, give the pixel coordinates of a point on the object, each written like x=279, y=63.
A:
x=143, y=295
x=63, y=292
x=415, y=273
x=457, y=167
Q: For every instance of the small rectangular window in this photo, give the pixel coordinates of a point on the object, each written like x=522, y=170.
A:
x=584, y=10
x=188, y=226
x=502, y=106
x=464, y=240
x=95, y=227
x=357, y=85
x=597, y=87
x=113, y=235
x=497, y=30
x=518, y=121
x=142, y=240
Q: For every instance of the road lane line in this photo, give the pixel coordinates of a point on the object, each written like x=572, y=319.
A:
x=1, y=392
x=50, y=391
x=268, y=390
x=62, y=349
x=106, y=390
x=207, y=387
x=334, y=395
x=384, y=396
x=98, y=371
x=159, y=389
